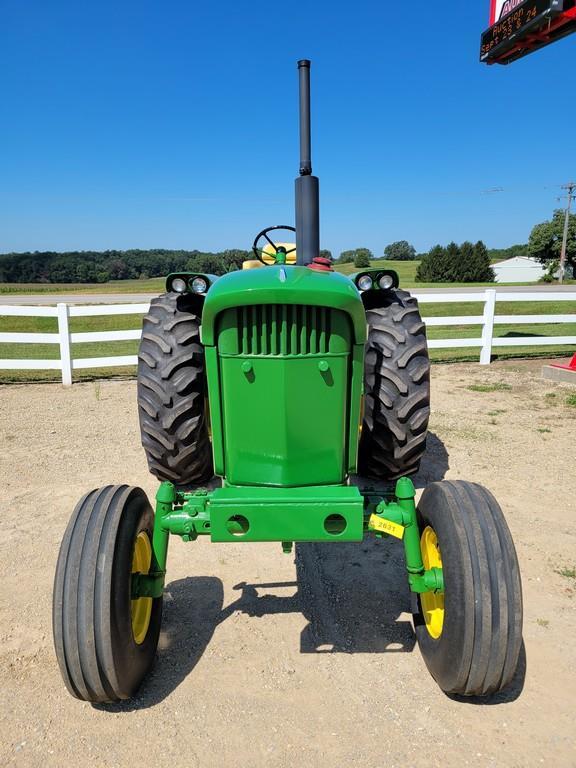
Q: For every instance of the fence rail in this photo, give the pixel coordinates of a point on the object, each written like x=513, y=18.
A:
x=488, y=319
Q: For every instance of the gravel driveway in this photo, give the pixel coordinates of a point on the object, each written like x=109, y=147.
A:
x=307, y=660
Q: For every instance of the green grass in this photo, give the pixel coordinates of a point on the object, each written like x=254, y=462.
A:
x=509, y=330
x=152, y=285
x=571, y=400
x=120, y=322
x=568, y=573
x=498, y=386
x=52, y=351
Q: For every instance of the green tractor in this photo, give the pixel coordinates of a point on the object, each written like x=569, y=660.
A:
x=284, y=382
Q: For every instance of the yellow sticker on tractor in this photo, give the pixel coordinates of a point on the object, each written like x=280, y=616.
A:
x=386, y=526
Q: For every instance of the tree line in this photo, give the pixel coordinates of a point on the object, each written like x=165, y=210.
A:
x=102, y=266
x=465, y=263
x=404, y=251
x=399, y=251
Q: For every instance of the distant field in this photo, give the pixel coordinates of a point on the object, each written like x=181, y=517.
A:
x=153, y=285
x=125, y=322
x=406, y=271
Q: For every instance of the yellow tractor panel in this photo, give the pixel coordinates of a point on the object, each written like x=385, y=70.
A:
x=252, y=264
x=269, y=255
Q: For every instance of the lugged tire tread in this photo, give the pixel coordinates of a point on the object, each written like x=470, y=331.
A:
x=172, y=394
x=397, y=390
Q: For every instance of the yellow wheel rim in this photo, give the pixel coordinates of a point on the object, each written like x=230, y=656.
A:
x=141, y=608
x=432, y=602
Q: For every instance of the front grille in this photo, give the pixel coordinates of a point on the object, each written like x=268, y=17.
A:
x=283, y=329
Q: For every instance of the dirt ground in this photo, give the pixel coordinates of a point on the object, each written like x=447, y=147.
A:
x=274, y=660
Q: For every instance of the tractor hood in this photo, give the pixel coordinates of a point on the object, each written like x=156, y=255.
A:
x=283, y=285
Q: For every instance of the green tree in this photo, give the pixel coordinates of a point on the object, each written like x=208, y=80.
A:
x=479, y=270
x=454, y=263
x=361, y=259
x=545, y=242
x=364, y=252
x=438, y=266
x=400, y=251
x=325, y=253
x=347, y=257
x=430, y=265
x=501, y=254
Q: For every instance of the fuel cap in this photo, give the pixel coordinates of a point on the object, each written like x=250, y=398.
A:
x=321, y=264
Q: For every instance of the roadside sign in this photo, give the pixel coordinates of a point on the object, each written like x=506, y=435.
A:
x=519, y=27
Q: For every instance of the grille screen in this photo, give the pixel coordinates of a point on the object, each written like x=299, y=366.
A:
x=283, y=329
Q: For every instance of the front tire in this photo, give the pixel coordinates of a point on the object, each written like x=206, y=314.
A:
x=105, y=642
x=470, y=636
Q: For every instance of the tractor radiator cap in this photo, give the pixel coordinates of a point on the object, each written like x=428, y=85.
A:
x=321, y=264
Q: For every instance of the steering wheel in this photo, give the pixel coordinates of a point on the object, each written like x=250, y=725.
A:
x=277, y=248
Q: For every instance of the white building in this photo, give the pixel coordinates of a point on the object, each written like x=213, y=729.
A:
x=520, y=269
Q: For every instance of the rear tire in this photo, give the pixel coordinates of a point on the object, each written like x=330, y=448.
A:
x=396, y=390
x=172, y=394
x=105, y=642
x=474, y=649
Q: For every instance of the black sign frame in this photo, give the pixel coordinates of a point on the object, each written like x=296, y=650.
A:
x=505, y=35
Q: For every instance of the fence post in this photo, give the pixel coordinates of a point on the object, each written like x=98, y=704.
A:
x=64, y=334
x=488, y=326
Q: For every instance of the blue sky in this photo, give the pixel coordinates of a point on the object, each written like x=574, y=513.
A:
x=173, y=124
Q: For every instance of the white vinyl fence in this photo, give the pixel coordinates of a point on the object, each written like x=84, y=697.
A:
x=64, y=338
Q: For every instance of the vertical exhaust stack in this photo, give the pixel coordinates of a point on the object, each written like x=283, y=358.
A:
x=307, y=189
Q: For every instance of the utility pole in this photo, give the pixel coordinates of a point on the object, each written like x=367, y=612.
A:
x=570, y=187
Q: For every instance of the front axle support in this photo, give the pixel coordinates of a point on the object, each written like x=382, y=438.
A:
x=331, y=513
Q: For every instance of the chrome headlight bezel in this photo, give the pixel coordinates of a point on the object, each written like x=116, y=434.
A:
x=364, y=283
x=179, y=285
x=199, y=285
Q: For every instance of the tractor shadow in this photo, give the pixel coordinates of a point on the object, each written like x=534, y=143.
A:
x=435, y=462
x=434, y=466
x=354, y=597
x=192, y=609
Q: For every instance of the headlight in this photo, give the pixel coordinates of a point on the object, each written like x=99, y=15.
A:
x=199, y=285
x=179, y=285
x=386, y=282
x=364, y=282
